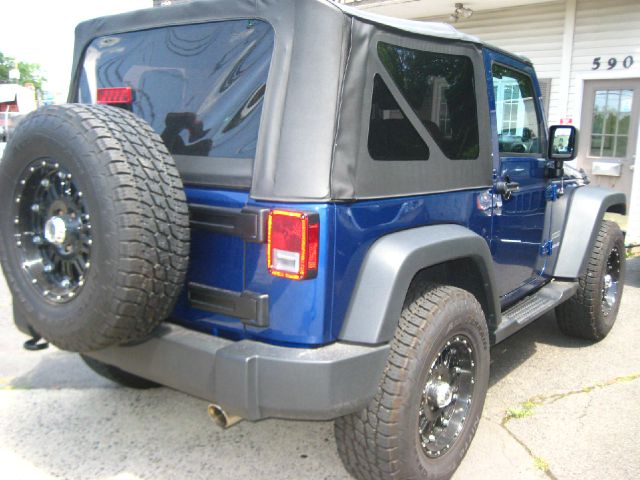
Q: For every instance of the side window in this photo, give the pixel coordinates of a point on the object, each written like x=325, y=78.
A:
x=391, y=134
x=516, y=115
x=440, y=89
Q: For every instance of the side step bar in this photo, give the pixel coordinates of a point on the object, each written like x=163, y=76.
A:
x=534, y=306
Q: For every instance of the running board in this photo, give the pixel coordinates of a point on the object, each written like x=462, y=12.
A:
x=534, y=306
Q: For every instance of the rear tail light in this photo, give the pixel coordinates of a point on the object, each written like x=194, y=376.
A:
x=11, y=107
x=292, y=244
x=115, y=96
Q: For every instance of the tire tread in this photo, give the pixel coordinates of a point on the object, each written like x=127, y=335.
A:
x=368, y=442
x=581, y=315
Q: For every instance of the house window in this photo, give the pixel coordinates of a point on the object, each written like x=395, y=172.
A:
x=611, y=121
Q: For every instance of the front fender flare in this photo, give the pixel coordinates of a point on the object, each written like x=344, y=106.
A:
x=586, y=210
x=391, y=264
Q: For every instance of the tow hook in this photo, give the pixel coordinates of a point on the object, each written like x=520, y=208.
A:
x=221, y=418
x=34, y=344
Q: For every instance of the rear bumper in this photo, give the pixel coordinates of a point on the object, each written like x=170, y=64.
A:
x=256, y=380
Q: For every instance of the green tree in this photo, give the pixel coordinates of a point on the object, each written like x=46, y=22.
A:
x=29, y=72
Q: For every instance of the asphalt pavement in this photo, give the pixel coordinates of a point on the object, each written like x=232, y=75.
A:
x=556, y=408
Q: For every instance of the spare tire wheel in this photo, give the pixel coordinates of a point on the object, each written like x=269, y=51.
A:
x=94, y=229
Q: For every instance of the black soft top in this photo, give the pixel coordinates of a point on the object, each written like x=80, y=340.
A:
x=304, y=153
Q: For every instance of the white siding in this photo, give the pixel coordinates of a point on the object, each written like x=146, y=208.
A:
x=603, y=29
x=534, y=31
x=607, y=29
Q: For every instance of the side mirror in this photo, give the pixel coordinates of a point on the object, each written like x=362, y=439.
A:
x=562, y=142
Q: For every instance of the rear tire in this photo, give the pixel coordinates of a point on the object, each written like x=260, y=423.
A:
x=592, y=311
x=117, y=375
x=411, y=430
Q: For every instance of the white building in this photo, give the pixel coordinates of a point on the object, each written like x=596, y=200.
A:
x=587, y=56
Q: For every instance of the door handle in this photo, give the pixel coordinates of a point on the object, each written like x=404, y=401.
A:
x=506, y=187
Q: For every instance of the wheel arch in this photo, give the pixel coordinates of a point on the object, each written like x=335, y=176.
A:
x=447, y=254
x=586, y=210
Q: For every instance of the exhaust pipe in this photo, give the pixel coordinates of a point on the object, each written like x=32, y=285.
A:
x=221, y=418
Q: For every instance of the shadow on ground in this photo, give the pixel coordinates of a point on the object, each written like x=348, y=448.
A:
x=58, y=370
x=515, y=350
x=88, y=428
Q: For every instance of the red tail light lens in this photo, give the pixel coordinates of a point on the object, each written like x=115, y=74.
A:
x=9, y=107
x=115, y=96
x=292, y=244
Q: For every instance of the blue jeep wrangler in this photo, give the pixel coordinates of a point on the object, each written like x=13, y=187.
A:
x=296, y=209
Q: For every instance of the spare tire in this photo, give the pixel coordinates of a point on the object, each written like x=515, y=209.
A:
x=94, y=228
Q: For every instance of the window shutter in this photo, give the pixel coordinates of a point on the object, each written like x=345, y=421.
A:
x=545, y=89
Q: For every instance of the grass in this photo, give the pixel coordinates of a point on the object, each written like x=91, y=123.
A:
x=524, y=410
x=541, y=464
x=5, y=383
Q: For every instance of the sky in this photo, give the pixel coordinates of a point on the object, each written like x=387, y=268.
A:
x=42, y=31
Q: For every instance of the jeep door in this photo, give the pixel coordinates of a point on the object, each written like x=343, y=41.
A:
x=520, y=175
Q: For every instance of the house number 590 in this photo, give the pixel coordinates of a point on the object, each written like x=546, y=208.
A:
x=612, y=62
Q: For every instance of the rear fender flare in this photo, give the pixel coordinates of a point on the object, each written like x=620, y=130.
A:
x=391, y=264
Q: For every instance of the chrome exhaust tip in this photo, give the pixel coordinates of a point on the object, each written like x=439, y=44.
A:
x=221, y=418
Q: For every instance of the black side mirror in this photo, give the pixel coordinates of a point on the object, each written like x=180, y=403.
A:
x=562, y=142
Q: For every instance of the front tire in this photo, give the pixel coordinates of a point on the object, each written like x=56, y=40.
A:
x=592, y=311
x=427, y=409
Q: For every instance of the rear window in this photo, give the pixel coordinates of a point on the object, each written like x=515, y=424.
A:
x=201, y=87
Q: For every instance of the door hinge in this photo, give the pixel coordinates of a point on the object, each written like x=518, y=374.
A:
x=546, y=248
x=551, y=193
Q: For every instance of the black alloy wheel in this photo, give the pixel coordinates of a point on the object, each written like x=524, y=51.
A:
x=447, y=396
x=52, y=230
x=611, y=282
